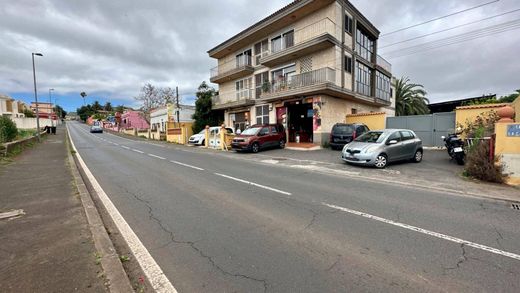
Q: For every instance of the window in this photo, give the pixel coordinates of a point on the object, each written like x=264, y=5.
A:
x=383, y=89
x=261, y=49
x=243, y=59
x=283, y=41
x=353, y=111
x=260, y=79
x=281, y=77
x=349, y=24
x=364, y=45
x=348, y=64
x=264, y=131
x=244, y=88
x=363, y=79
x=394, y=136
x=407, y=135
x=274, y=130
x=262, y=114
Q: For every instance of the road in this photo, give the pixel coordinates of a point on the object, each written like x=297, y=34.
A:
x=218, y=225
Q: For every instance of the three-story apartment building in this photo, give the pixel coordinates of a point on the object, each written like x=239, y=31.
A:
x=306, y=67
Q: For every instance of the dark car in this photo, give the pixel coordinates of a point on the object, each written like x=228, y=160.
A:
x=343, y=133
x=260, y=136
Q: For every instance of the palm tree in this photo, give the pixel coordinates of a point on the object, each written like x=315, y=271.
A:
x=83, y=95
x=410, y=98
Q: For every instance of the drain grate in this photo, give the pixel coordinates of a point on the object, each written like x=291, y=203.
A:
x=515, y=206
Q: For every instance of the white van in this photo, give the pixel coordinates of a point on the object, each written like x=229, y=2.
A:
x=214, y=136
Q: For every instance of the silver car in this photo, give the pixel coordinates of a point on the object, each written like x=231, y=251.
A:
x=380, y=147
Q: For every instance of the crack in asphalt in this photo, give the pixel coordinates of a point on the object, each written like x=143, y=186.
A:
x=192, y=244
x=334, y=264
x=499, y=237
x=461, y=260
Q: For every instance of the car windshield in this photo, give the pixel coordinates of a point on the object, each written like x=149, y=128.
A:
x=372, y=136
x=251, y=131
x=346, y=129
x=202, y=131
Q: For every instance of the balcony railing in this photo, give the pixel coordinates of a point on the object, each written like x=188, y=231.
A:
x=235, y=64
x=304, y=34
x=319, y=76
x=384, y=64
x=233, y=98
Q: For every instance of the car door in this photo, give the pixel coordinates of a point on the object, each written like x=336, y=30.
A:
x=394, y=151
x=408, y=141
x=264, y=137
x=274, y=136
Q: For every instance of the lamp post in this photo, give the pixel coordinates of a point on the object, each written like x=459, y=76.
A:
x=50, y=105
x=36, y=97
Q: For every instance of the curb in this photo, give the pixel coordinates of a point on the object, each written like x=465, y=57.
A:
x=113, y=269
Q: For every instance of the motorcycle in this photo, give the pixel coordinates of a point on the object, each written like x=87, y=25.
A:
x=455, y=146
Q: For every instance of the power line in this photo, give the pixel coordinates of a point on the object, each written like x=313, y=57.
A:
x=504, y=27
x=441, y=17
x=451, y=28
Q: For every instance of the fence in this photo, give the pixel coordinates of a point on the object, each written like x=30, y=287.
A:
x=429, y=128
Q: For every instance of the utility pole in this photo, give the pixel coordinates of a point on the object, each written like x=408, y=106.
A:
x=50, y=105
x=177, y=102
x=36, y=98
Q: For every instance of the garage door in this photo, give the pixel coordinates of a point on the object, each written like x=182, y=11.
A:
x=429, y=128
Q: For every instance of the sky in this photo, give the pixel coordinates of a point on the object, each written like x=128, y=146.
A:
x=110, y=49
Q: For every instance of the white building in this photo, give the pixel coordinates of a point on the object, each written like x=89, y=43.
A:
x=11, y=108
x=159, y=116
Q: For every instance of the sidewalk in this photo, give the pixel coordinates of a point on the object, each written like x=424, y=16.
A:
x=50, y=248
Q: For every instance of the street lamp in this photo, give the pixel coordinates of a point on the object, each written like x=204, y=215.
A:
x=36, y=97
x=50, y=105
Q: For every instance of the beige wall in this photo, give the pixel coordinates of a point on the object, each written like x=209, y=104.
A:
x=374, y=121
x=509, y=149
x=466, y=114
x=516, y=106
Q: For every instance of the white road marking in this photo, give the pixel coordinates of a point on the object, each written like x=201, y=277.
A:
x=138, y=151
x=254, y=184
x=125, y=147
x=116, y=143
x=155, y=156
x=155, y=275
x=186, y=165
x=427, y=232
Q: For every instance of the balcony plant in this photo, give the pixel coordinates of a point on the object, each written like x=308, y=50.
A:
x=266, y=86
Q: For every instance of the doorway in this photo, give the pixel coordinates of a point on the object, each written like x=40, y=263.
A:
x=300, y=122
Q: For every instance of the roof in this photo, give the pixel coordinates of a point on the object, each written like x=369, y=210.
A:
x=459, y=101
x=288, y=8
x=500, y=105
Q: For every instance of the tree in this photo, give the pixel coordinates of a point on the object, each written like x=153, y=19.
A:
x=167, y=95
x=8, y=130
x=60, y=111
x=149, y=99
x=28, y=113
x=203, y=115
x=83, y=95
x=96, y=106
x=509, y=98
x=120, y=109
x=410, y=98
x=85, y=111
x=108, y=107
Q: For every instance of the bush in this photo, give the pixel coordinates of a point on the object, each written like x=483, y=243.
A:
x=8, y=130
x=479, y=166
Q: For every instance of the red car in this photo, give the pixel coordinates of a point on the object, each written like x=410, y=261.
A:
x=259, y=137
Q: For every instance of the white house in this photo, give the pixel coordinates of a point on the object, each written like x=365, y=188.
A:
x=11, y=108
x=159, y=116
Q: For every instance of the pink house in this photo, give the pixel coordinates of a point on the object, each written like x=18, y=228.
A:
x=133, y=119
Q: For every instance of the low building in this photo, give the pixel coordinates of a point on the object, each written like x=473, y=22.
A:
x=451, y=105
x=45, y=110
x=133, y=119
x=159, y=117
x=9, y=107
x=306, y=66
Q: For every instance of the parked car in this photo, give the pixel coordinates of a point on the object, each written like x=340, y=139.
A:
x=96, y=128
x=260, y=136
x=214, y=136
x=378, y=148
x=343, y=133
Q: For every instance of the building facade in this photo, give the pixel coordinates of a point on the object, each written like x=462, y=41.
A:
x=306, y=67
x=160, y=117
x=133, y=119
x=45, y=110
x=9, y=107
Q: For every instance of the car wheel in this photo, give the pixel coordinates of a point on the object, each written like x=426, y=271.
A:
x=203, y=142
x=381, y=161
x=282, y=144
x=255, y=147
x=417, y=158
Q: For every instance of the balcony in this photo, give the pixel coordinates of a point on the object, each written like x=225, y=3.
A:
x=381, y=62
x=312, y=38
x=239, y=67
x=241, y=98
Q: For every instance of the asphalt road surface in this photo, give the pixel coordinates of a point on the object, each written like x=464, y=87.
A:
x=218, y=225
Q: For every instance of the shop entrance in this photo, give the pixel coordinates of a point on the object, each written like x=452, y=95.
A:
x=300, y=122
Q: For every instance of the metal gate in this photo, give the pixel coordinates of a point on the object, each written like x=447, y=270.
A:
x=429, y=128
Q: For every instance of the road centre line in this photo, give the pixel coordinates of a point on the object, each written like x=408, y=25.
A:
x=156, y=276
x=155, y=156
x=254, y=184
x=138, y=151
x=125, y=147
x=186, y=165
x=427, y=232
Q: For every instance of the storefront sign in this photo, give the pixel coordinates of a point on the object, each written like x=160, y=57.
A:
x=513, y=130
